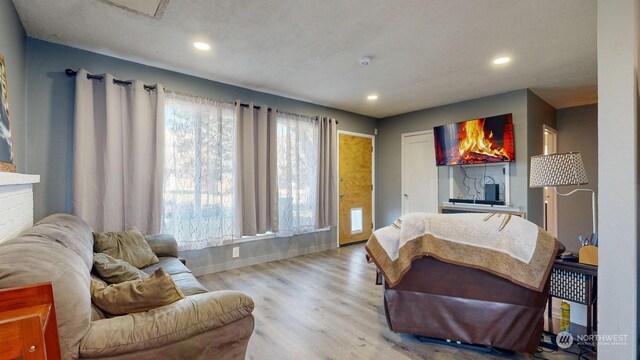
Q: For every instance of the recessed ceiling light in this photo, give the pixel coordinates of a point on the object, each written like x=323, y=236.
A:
x=372, y=97
x=201, y=46
x=502, y=60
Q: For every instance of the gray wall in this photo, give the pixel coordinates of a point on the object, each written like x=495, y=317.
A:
x=13, y=48
x=388, y=147
x=577, y=131
x=50, y=127
x=214, y=259
x=539, y=113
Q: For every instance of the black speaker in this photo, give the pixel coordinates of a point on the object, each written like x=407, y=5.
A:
x=492, y=192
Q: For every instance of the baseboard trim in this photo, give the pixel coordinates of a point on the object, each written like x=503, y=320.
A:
x=214, y=268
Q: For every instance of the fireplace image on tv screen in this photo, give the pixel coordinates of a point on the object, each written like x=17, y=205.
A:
x=475, y=141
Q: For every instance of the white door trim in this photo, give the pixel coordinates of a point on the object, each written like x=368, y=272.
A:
x=373, y=179
x=554, y=220
x=402, y=192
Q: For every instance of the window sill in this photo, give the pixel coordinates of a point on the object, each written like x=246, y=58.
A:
x=270, y=235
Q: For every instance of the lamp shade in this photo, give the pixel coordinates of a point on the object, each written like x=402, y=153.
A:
x=557, y=170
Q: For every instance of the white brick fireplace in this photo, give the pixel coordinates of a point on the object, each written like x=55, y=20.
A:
x=16, y=203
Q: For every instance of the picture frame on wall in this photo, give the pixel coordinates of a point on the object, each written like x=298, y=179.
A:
x=7, y=162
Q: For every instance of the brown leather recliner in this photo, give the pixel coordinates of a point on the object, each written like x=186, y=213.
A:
x=444, y=301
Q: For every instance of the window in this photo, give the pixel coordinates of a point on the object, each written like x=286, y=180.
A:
x=199, y=172
x=356, y=220
x=198, y=182
x=297, y=173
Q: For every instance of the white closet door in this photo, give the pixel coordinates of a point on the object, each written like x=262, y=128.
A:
x=419, y=173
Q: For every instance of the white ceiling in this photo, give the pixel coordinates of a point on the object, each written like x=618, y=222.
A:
x=425, y=52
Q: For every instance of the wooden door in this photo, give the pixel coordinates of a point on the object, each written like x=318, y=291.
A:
x=355, y=186
x=419, y=173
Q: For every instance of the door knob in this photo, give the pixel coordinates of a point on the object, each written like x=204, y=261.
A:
x=406, y=195
x=341, y=195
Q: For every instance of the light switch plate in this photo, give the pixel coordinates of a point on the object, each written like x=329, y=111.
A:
x=236, y=251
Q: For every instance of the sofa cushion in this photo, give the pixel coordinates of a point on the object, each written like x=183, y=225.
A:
x=96, y=313
x=136, y=295
x=128, y=245
x=188, y=284
x=165, y=325
x=170, y=265
x=180, y=274
x=115, y=271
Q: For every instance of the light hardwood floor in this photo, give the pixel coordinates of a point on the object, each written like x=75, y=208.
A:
x=326, y=306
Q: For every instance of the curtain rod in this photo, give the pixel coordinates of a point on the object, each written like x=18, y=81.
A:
x=71, y=72
x=182, y=93
x=258, y=107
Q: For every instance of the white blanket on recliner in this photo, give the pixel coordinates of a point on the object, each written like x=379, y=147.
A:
x=508, y=234
x=505, y=245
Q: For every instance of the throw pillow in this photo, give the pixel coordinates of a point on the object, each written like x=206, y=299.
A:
x=136, y=295
x=96, y=313
x=129, y=246
x=115, y=271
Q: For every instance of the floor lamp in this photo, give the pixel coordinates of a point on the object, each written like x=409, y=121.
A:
x=563, y=169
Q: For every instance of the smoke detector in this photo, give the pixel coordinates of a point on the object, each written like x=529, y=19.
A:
x=365, y=60
x=151, y=8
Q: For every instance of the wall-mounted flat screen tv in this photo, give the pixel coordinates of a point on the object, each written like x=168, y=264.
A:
x=475, y=141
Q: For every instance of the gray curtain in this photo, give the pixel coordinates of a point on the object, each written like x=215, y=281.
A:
x=118, y=154
x=326, y=208
x=256, y=196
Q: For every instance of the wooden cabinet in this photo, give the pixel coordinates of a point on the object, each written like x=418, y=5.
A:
x=28, y=326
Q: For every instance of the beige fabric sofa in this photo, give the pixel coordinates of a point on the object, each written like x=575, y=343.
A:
x=59, y=249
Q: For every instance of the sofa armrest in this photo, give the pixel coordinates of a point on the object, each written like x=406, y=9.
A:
x=163, y=244
x=181, y=320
